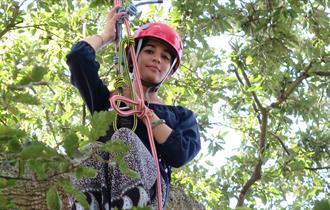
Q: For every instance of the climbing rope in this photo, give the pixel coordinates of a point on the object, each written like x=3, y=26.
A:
x=139, y=108
x=124, y=77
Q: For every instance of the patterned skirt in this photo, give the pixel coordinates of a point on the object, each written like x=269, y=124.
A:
x=111, y=189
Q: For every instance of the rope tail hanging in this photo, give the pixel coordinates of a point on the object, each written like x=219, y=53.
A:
x=139, y=107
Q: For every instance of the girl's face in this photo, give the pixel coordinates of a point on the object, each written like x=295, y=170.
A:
x=154, y=61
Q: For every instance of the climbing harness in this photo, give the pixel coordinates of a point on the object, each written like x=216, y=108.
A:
x=139, y=109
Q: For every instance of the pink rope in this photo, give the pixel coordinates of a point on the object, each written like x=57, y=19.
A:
x=141, y=111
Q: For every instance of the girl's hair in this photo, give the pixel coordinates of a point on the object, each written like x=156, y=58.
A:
x=144, y=43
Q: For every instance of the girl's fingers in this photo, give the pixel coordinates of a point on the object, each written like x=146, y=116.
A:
x=113, y=11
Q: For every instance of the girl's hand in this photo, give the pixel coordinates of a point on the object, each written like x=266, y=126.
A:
x=109, y=33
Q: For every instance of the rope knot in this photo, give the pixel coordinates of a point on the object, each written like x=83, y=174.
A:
x=141, y=110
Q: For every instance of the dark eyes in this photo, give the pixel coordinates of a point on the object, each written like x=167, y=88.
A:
x=149, y=51
x=164, y=56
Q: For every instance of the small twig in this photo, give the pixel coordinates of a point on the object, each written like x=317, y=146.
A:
x=15, y=178
x=12, y=22
x=254, y=95
x=255, y=108
x=50, y=88
x=49, y=124
x=318, y=168
x=29, y=85
x=321, y=73
x=84, y=115
x=3, y=122
x=29, y=26
x=281, y=142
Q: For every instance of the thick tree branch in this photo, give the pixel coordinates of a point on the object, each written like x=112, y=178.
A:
x=257, y=169
x=292, y=87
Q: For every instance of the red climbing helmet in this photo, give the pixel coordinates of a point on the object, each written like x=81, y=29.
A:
x=165, y=33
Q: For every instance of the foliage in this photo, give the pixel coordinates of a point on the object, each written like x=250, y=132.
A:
x=272, y=89
x=274, y=93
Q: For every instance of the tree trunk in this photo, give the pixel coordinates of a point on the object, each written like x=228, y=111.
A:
x=179, y=200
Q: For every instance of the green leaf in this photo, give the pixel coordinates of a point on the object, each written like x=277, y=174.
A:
x=7, y=183
x=39, y=167
x=322, y=205
x=249, y=60
x=79, y=196
x=115, y=147
x=7, y=133
x=86, y=172
x=34, y=150
x=123, y=167
x=3, y=183
x=25, y=98
x=243, y=208
x=38, y=73
x=14, y=146
x=71, y=144
x=100, y=124
x=53, y=200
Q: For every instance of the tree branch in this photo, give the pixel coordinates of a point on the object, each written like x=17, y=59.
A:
x=3, y=122
x=292, y=87
x=320, y=73
x=14, y=178
x=31, y=84
x=257, y=169
x=12, y=22
x=254, y=95
x=318, y=168
x=255, y=108
x=84, y=115
x=282, y=143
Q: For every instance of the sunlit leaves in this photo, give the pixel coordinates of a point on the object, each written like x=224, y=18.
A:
x=118, y=150
x=7, y=134
x=83, y=172
x=100, y=124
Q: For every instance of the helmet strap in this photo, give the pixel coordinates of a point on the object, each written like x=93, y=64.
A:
x=165, y=77
x=139, y=47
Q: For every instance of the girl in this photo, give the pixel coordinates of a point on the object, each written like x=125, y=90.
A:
x=174, y=128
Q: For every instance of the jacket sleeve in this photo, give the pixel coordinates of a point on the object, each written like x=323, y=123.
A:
x=183, y=144
x=84, y=76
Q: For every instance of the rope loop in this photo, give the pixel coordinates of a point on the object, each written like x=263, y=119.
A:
x=141, y=111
